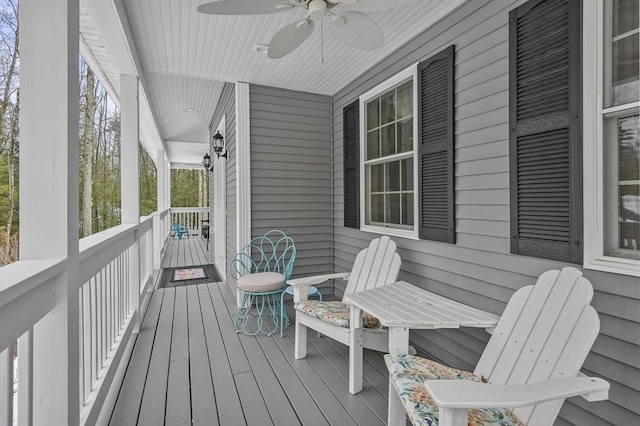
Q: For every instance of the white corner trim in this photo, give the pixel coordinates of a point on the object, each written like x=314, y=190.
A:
x=219, y=203
x=243, y=166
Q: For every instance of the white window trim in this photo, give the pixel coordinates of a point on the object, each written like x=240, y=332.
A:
x=593, y=148
x=412, y=72
x=219, y=223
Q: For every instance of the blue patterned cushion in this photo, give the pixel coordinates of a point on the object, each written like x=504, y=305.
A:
x=408, y=374
x=334, y=312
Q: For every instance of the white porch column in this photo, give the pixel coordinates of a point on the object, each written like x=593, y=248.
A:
x=49, y=208
x=130, y=182
x=167, y=184
x=158, y=229
x=243, y=170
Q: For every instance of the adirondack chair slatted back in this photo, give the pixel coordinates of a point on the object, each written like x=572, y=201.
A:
x=377, y=265
x=546, y=331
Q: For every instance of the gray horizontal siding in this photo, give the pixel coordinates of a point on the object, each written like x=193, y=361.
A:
x=479, y=269
x=291, y=172
x=227, y=107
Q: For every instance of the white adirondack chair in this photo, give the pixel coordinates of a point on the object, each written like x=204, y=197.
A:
x=531, y=362
x=375, y=266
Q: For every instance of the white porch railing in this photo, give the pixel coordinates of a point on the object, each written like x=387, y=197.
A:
x=108, y=316
x=191, y=217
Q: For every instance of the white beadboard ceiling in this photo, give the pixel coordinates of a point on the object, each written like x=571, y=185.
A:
x=183, y=59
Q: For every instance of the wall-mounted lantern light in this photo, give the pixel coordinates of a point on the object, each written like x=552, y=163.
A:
x=206, y=162
x=218, y=145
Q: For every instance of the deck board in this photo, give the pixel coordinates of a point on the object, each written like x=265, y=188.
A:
x=128, y=403
x=190, y=367
x=227, y=401
x=203, y=407
x=178, y=383
x=152, y=409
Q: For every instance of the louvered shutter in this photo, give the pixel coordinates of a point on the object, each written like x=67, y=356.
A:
x=545, y=108
x=351, y=144
x=436, y=150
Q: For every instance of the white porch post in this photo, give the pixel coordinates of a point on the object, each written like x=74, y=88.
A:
x=130, y=183
x=158, y=230
x=243, y=170
x=49, y=208
x=167, y=183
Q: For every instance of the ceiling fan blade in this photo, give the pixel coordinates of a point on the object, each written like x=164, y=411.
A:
x=375, y=5
x=356, y=29
x=289, y=38
x=245, y=7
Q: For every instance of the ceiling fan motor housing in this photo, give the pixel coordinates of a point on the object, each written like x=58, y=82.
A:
x=317, y=8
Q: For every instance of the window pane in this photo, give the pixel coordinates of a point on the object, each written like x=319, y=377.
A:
x=373, y=114
x=393, y=176
x=377, y=208
x=388, y=140
x=393, y=208
x=373, y=144
x=388, y=112
x=625, y=70
x=405, y=135
x=377, y=178
x=629, y=236
x=622, y=187
x=629, y=153
x=621, y=54
x=629, y=187
x=407, y=209
x=407, y=175
x=625, y=16
x=405, y=100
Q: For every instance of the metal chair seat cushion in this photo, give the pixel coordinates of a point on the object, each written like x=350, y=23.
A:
x=261, y=282
x=408, y=373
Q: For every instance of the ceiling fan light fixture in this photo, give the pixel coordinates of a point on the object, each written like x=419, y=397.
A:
x=338, y=20
x=317, y=8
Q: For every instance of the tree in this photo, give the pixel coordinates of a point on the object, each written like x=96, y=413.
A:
x=9, y=137
x=87, y=141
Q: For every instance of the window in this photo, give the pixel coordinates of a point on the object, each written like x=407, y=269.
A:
x=388, y=147
x=395, y=182
x=613, y=135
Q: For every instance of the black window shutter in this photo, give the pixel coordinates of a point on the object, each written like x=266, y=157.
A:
x=436, y=151
x=351, y=143
x=545, y=110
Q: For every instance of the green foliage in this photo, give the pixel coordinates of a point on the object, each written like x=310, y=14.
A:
x=148, y=184
x=184, y=187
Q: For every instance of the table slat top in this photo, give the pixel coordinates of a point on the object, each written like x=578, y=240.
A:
x=404, y=304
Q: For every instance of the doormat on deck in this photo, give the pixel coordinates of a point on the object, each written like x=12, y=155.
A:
x=187, y=275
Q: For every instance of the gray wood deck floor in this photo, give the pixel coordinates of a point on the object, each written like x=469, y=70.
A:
x=187, y=251
x=190, y=367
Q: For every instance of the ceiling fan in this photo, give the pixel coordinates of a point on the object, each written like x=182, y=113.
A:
x=351, y=27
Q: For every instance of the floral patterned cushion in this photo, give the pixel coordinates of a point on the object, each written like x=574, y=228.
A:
x=334, y=312
x=408, y=374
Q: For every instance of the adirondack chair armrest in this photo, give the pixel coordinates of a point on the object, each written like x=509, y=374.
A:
x=317, y=279
x=463, y=394
x=300, y=284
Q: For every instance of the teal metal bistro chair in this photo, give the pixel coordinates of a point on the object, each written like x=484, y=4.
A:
x=261, y=269
x=179, y=231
